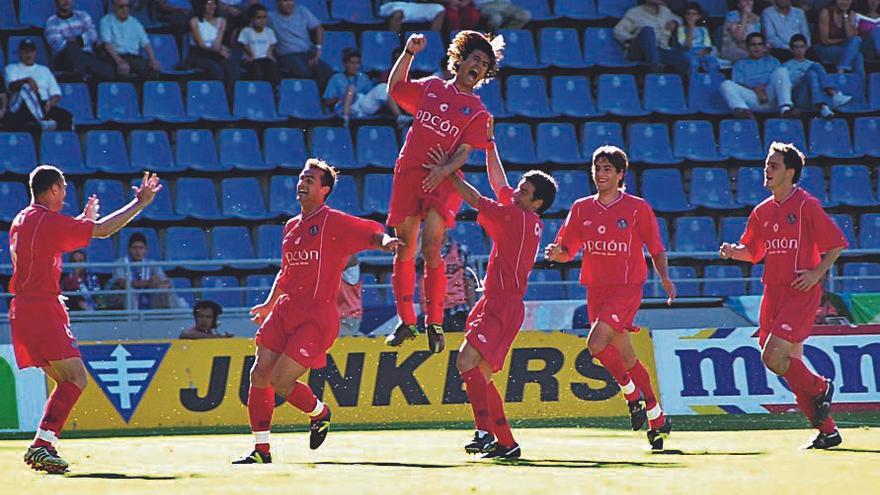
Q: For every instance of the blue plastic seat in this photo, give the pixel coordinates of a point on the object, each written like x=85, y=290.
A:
x=197, y=198
x=377, y=145
x=830, y=138
x=542, y=288
x=345, y=196
x=71, y=201
x=704, y=96
x=573, y=184
x=17, y=152
x=813, y=181
x=853, y=85
x=710, y=187
x=732, y=229
x=377, y=193
x=551, y=228
x=118, y=102
x=207, y=100
x=865, y=142
x=714, y=8
x=695, y=140
x=168, y=54
x=480, y=180
x=183, y=289
x=254, y=101
x=527, y=96
x=739, y=139
x=723, y=288
x=76, y=99
x=371, y=294
x=240, y=148
x=12, y=47
x=557, y=143
x=101, y=251
x=163, y=101
x=618, y=95
x=649, y=143
x=614, y=8
x=664, y=94
x=845, y=222
x=284, y=147
x=299, y=98
x=269, y=241
x=663, y=227
x=161, y=208
x=319, y=9
x=353, y=11
x=258, y=287
x=874, y=91
x=785, y=131
x=596, y=134
x=571, y=96
x=750, y=186
x=13, y=198
x=756, y=287
x=490, y=95
x=851, y=185
x=95, y=9
x=577, y=292
x=471, y=235
x=106, y=151
x=869, y=231
x=5, y=258
x=663, y=188
x=196, y=150
x=154, y=249
x=109, y=192
x=188, y=244
x=600, y=48
x=222, y=289
x=335, y=42
x=8, y=18
x=429, y=58
x=539, y=9
x=376, y=49
x=62, y=149
x=560, y=47
x=861, y=277
x=242, y=198
x=282, y=195
x=695, y=234
x=519, y=49
x=684, y=279
x=333, y=144
x=233, y=243
x=151, y=150
x=514, y=142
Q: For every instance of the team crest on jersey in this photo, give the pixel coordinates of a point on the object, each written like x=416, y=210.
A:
x=313, y=230
x=792, y=218
x=775, y=227
x=466, y=110
x=124, y=372
x=622, y=223
x=444, y=107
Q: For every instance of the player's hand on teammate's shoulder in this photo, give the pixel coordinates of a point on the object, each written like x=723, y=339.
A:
x=150, y=185
x=416, y=43
x=92, y=207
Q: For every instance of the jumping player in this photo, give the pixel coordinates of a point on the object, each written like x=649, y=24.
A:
x=299, y=320
x=38, y=319
x=448, y=114
x=612, y=227
x=798, y=242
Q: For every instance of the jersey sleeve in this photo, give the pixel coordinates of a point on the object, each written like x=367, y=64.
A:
x=68, y=233
x=569, y=234
x=408, y=94
x=489, y=215
x=825, y=230
x=356, y=234
x=752, y=240
x=475, y=133
x=649, y=231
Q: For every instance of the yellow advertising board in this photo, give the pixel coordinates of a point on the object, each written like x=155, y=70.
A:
x=173, y=384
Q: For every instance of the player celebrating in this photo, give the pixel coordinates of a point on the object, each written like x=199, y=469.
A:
x=38, y=319
x=299, y=320
x=790, y=231
x=448, y=114
x=612, y=226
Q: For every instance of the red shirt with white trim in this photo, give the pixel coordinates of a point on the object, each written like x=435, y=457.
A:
x=790, y=236
x=612, y=237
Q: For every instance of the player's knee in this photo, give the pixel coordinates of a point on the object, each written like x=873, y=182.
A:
x=80, y=380
x=259, y=376
x=774, y=361
x=595, y=346
x=465, y=362
x=431, y=253
x=283, y=386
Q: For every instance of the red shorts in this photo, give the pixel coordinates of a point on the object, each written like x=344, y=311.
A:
x=492, y=326
x=40, y=331
x=304, y=332
x=788, y=313
x=408, y=199
x=615, y=305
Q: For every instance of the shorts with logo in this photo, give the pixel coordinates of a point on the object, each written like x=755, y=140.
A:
x=409, y=199
x=615, y=305
x=493, y=325
x=788, y=313
x=40, y=331
x=303, y=332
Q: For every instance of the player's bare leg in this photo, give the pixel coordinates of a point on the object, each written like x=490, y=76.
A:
x=435, y=279
x=285, y=380
x=261, y=405
x=403, y=281
x=605, y=345
x=476, y=381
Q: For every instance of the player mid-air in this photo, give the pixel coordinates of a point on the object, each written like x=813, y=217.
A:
x=611, y=227
x=299, y=321
x=38, y=318
x=799, y=243
x=448, y=114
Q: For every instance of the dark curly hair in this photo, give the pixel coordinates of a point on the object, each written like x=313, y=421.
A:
x=465, y=42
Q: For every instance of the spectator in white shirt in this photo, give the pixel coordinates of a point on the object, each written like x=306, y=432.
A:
x=34, y=93
x=258, y=43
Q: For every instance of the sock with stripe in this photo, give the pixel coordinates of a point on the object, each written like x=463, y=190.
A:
x=55, y=414
x=642, y=379
x=305, y=400
x=612, y=361
x=261, y=405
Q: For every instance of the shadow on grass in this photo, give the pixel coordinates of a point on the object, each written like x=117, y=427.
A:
x=858, y=451
x=383, y=464
x=583, y=463
x=121, y=476
x=703, y=452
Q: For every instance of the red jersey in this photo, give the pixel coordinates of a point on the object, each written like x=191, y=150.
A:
x=516, y=236
x=792, y=234
x=315, y=249
x=612, y=237
x=442, y=115
x=37, y=238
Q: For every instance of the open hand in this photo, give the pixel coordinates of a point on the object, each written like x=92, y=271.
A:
x=435, y=177
x=806, y=280
x=150, y=185
x=93, y=205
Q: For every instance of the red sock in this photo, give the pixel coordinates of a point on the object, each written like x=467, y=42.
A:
x=805, y=404
x=305, y=400
x=802, y=380
x=435, y=293
x=261, y=405
x=642, y=379
x=57, y=410
x=499, y=420
x=611, y=360
x=477, y=391
x=403, y=282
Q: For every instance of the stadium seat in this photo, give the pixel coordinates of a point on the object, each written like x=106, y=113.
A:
x=376, y=49
x=750, y=186
x=574, y=289
x=874, y=91
x=664, y=94
x=106, y=151
x=233, y=243
x=240, y=148
x=869, y=231
x=480, y=180
x=614, y=8
x=71, y=201
x=740, y=139
x=222, y=289
x=865, y=140
x=258, y=287
x=118, y=102
x=13, y=197
x=154, y=249
x=241, y=198
x=282, y=195
x=333, y=144
x=618, y=95
x=196, y=150
x=269, y=241
x=335, y=42
x=101, y=251
x=319, y=9
x=76, y=99
x=12, y=47
x=539, y=9
x=35, y=12
x=207, y=100
x=663, y=227
x=560, y=47
x=851, y=185
x=254, y=101
x=845, y=222
x=785, y=131
x=557, y=143
x=714, y=8
x=571, y=96
x=17, y=154
x=371, y=294
x=377, y=193
x=600, y=47
x=853, y=85
x=490, y=95
x=345, y=196
x=476, y=157
x=377, y=145
x=151, y=150
x=299, y=98
x=756, y=287
x=695, y=234
x=8, y=18
x=649, y=143
x=695, y=140
x=168, y=54
x=527, y=96
x=519, y=50
x=109, y=192
x=161, y=208
x=541, y=286
x=5, y=258
x=573, y=185
x=704, y=96
x=471, y=235
x=830, y=138
x=284, y=147
x=551, y=228
x=163, y=101
x=95, y=9
x=683, y=277
x=723, y=288
x=710, y=187
x=732, y=229
x=197, y=198
x=861, y=277
x=353, y=11
x=813, y=181
x=596, y=134
x=515, y=145
x=429, y=58
x=664, y=190
x=188, y=244
x=62, y=148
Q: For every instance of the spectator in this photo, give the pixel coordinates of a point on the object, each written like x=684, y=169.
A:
x=4, y=99
x=258, y=43
x=738, y=24
x=646, y=32
x=350, y=299
x=461, y=14
x=352, y=94
x=869, y=28
x=502, y=14
x=460, y=285
x=141, y=277
x=443, y=71
x=207, y=51
x=176, y=13
x=298, y=56
x=205, y=313
x=839, y=42
x=34, y=93
x=759, y=83
x=73, y=39
x=781, y=21
x=696, y=41
x=83, y=282
x=124, y=37
x=412, y=11
x=808, y=87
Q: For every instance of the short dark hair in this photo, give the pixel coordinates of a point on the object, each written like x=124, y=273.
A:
x=466, y=42
x=215, y=308
x=328, y=177
x=349, y=53
x=791, y=157
x=693, y=6
x=43, y=178
x=797, y=37
x=616, y=156
x=256, y=8
x=752, y=36
x=137, y=237
x=545, y=188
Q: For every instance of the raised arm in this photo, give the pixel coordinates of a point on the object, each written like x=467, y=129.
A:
x=468, y=193
x=494, y=167
x=400, y=71
x=143, y=196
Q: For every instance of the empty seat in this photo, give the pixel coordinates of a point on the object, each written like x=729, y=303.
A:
x=695, y=234
x=739, y=139
x=683, y=277
x=353, y=11
x=573, y=184
x=551, y=228
x=284, y=147
x=874, y=91
x=490, y=95
x=319, y=9
x=734, y=285
x=664, y=190
x=154, y=249
x=255, y=101
x=614, y=8
x=830, y=138
x=869, y=231
x=695, y=140
x=345, y=196
x=600, y=47
x=732, y=229
x=333, y=144
x=109, y=192
x=571, y=96
x=664, y=94
x=663, y=227
x=527, y=96
x=5, y=258
x=105, y=151
x=429, y=58
x=196, y=150
x=151, y=150
x=376, y=48
x=207, y=100
x=704, y=96
x=299, y=98
x=470, y=234
x=519, y=49
x=269, y=241
x=710, y=187
x=750, y=186
x=62, y=148
x=377, y=145
x=282, y=195
x=240, y=148
x=377, y=193
x=118, y=102
x=851, y=185
x=188, y=244
x=13, y=198
x=233, y=243
x=755, y=284
x=71, y=201
x=560, y=47
x=224, y=290
x=161, y=208
x=197, y=198
x=9, y=22
x=853, y=85
x=785, y=131
x=618, y=95
x=865, y=142
x=335, y=42
x=242, y=198
x=17, y=153
x=371, y=294
x=168, y=54
x=714, y=8
x=258, y=287
x=845, y=223
x=649, y=143
x=557, y=143
x=101, y=251
x=539, y=9
x=515, y=143
x=596, y=134
x=183, y=289
x=813, y=181
x=76, y=99
x=163, y=101
x=545, y=285
x=861, y=277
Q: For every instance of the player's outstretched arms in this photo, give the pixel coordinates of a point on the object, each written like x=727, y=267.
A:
x=400, y=71
x=737, y=252
x=143, y=196
x=557, y=252
x=436, y=156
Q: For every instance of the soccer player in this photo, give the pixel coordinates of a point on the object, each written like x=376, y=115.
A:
x=612, y=227
x=798, y=242
x=38, y=319
x=449, y=114
x=299, y=321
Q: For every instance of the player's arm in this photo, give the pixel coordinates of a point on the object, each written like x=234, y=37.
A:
x=385, y=242
x=736, y=252
x=661, y=265
x=143, y=196
x=809, y=278
x=261, y=311
x=446, y=168
x=400, y=71
x=494, y=167
x=469, y=194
